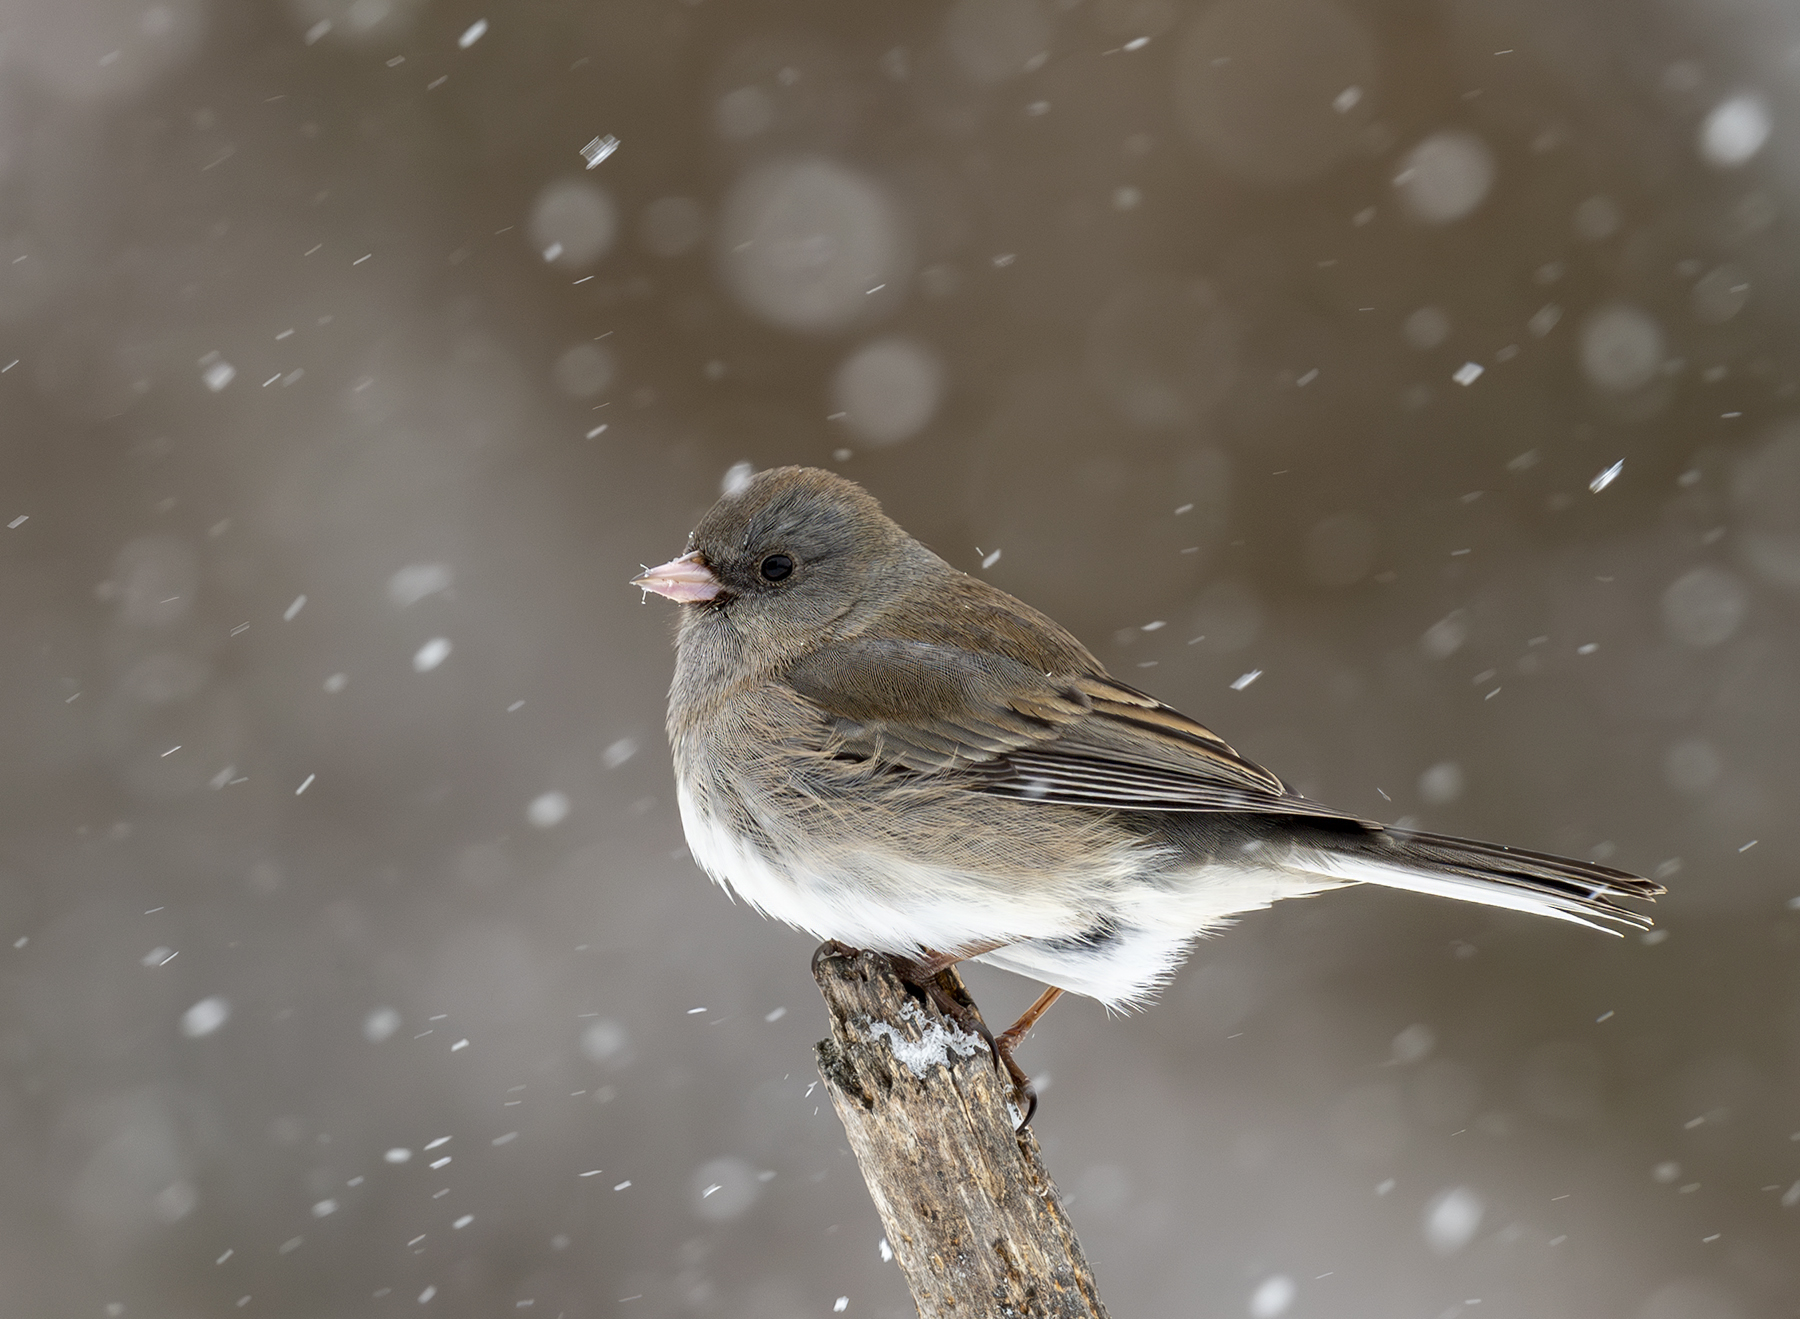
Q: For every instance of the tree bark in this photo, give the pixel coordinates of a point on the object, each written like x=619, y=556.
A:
x=970, y=1212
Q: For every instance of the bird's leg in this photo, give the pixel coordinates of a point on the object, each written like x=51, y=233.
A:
x=953, y=1001
x=927, y=974
x=1014, y=1035
x=1010, y=1038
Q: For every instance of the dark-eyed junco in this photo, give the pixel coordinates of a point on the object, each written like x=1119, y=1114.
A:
x=881, y=750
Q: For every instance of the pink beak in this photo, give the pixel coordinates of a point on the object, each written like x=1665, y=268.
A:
x=686, y=580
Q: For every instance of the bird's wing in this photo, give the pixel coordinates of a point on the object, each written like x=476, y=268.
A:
x=994, y=724
x=997, y=725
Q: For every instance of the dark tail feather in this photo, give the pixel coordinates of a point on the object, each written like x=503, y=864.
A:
x=1561, y=887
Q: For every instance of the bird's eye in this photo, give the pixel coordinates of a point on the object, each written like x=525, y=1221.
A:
x=776, y=567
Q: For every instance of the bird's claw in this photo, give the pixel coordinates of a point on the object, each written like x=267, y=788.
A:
x=951, y=998
x=938, y=985
x=830, y=948
x=1024, y=1092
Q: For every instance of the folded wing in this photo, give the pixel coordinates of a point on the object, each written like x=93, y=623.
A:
x=999, y=726
x=994, y=724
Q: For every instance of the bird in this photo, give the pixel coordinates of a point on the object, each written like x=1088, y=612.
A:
x=892, y=755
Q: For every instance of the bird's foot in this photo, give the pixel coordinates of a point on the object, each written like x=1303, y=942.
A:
x=1025, y=1095
x=830, y=948
x=932, y=977
x=1010, y=1039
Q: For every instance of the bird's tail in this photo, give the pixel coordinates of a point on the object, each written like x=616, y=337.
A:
x=1579, y=891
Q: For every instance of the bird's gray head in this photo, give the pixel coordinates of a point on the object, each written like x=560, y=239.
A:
x=785, y=560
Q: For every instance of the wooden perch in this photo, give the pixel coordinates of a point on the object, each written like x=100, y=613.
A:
x=972, y=1216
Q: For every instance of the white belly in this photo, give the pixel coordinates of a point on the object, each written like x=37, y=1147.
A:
x=911, y=907
x=894, y=905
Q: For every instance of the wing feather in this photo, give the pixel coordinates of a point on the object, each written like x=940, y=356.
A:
x=997, y=725
x=1004, y=728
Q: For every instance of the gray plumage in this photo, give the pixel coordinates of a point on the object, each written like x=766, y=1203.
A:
x=879, y=749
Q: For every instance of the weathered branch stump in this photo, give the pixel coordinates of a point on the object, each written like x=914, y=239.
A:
x=971, y=1214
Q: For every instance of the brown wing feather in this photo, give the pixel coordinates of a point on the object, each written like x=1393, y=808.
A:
x=1114, y=700
x=1005, y=728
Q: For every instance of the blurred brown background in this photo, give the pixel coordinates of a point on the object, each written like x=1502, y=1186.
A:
x=360, y=350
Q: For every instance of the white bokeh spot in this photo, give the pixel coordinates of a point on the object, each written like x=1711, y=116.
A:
x=1735, y=130
x=888, y=390
x=1445, y=177
x=205, y=1017
x=573, y=223
x=812, y=245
